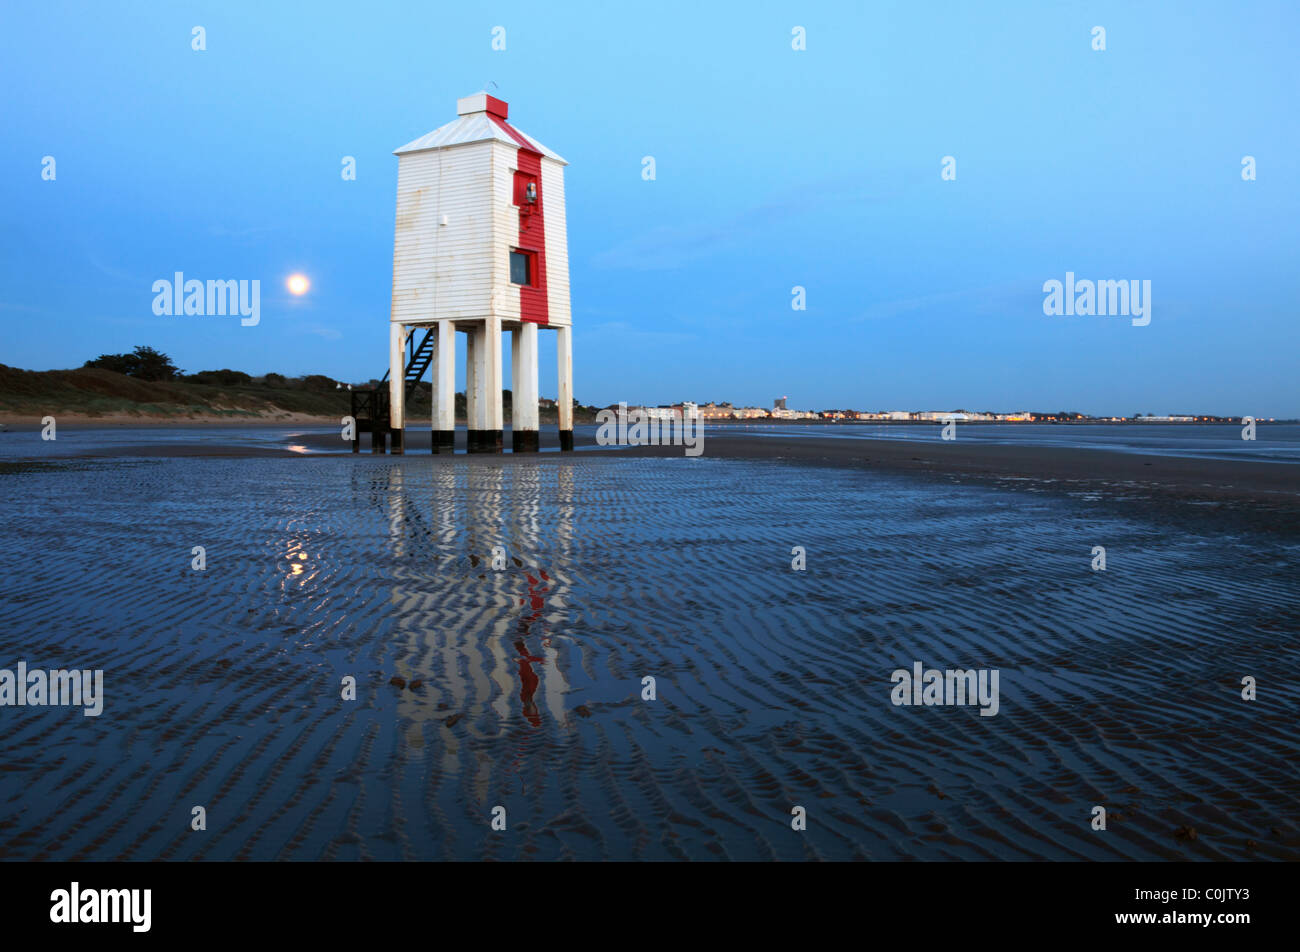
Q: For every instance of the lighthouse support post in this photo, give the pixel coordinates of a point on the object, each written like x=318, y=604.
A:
x=484, y=404
x=494, y=424
x=524, y=418
x=396, y=385
x=473, y=389
x=444, y=387
x=564, y=355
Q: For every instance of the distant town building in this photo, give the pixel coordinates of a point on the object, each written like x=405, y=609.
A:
x=714, y=411
x=782, y=411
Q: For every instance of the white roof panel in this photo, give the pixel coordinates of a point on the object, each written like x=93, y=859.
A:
x=475, y=127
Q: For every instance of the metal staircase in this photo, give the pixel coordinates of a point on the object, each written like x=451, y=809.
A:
x=370, y=405
x=418, y=358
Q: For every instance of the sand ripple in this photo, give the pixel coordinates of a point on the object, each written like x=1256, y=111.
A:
x=520, y=686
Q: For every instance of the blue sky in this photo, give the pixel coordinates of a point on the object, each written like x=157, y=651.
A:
x=775, y=168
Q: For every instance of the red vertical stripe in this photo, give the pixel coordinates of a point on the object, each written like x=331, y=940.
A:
x=533, y=301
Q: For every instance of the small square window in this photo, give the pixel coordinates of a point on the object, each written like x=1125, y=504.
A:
x=521, y=268
x=525, y=189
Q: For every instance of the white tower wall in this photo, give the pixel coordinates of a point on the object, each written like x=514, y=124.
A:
x=443, y=271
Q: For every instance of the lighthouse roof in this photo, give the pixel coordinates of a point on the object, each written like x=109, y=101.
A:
x=481, y=117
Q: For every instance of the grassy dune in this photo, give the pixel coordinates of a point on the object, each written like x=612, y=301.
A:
x=94, y=394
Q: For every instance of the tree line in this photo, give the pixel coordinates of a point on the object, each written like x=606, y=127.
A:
x=145, y=363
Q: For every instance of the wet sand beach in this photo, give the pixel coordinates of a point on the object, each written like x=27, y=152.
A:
x=1270, y=485
x=499, y=615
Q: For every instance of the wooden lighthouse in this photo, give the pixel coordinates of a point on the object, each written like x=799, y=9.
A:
x=480, y=249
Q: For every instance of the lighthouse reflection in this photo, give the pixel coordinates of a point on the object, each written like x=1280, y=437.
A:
x=479, y=555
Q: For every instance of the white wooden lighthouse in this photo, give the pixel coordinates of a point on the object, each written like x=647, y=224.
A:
x=480, y=248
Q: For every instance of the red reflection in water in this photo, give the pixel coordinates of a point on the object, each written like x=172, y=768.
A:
x=536, y=600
